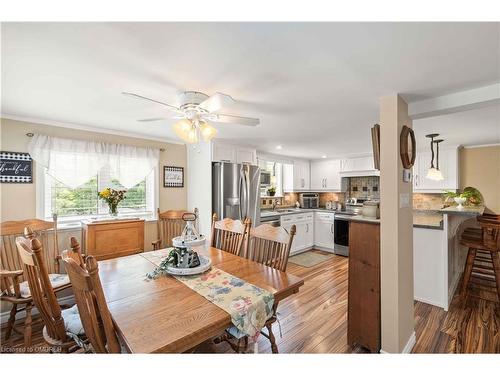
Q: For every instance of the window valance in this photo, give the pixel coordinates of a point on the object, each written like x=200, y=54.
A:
x=74, y=162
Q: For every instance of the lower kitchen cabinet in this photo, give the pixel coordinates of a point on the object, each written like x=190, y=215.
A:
x=304, y=236
x=324, y=230
x=363, y=312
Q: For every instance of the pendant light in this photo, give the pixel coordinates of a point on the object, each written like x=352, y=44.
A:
x=434, y=173
x=439, y=174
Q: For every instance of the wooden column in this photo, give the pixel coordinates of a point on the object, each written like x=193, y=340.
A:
x=396, y=232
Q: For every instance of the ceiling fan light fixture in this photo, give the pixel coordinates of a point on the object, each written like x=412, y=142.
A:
x=207, y=131
x=186, y=131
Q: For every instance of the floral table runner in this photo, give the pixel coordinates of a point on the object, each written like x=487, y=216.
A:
x=249, y=306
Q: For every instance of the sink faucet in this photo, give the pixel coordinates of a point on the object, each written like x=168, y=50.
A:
x=275, y=203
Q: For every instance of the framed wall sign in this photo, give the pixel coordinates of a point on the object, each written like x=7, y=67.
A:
x=16, y=167
x=173, y=176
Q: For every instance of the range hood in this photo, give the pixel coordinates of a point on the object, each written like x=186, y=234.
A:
x=361, y=173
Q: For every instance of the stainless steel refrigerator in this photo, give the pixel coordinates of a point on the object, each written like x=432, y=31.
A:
x=236, y=191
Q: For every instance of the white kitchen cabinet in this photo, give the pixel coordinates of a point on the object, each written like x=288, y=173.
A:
x=325, y=175
x=223, y=152
x=304, y=235
x=448, y=165
x=296, y=176
x=324, y=231
x=246, y=155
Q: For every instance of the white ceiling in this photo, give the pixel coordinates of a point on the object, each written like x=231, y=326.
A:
x=315, y=86
x=469, y=128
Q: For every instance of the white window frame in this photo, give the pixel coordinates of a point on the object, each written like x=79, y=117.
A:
x=40, y=199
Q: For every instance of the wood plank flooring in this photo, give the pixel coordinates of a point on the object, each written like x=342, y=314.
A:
x=315, y=320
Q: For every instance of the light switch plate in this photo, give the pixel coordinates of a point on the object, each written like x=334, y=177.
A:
x=406, y=175
x=404, y=200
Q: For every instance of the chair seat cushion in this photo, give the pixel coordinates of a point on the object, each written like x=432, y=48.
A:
x=72, y=321
x=56, y=280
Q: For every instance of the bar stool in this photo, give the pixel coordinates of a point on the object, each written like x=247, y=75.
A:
x=483, y=262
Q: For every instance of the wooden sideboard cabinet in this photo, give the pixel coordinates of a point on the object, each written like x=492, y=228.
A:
x=113, y=238
x=363, y=312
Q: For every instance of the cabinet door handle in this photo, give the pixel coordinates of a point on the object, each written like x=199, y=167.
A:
x=307, y=228
x=326, y=182
x=331, y=228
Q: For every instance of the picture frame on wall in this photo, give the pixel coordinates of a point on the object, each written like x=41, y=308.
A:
x=173, y=177
x=16, y=167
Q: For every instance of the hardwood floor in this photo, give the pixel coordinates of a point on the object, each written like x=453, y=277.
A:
x=315, y=320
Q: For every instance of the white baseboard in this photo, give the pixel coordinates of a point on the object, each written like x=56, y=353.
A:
x=410, y=343
x=430, y=302
x=4, y=317
x=408, y=347
x=325, y=249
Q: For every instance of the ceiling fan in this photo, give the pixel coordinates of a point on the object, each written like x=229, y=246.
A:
x=195, y=111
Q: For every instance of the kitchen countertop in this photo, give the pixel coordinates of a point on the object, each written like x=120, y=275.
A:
x=293, y=211
x=467, y=210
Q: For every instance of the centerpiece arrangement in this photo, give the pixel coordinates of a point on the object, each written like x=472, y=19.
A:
x=182, y=259
x=469, y=196
x=112, y=197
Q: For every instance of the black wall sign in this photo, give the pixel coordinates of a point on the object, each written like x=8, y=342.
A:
x=16, y=167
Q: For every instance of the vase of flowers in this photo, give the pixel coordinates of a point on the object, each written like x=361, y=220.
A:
x=112, y=197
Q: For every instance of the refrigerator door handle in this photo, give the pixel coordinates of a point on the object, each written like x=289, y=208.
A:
x=241, y=182
x=247, y=193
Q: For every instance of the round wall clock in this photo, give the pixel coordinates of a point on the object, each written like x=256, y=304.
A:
x=407, y=147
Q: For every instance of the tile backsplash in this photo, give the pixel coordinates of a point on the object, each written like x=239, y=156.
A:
x=427, y=201
x=364, y=187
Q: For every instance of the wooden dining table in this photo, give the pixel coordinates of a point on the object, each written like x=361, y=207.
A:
x=166, y=316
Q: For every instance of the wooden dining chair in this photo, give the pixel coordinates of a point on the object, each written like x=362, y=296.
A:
x=61, y=326
x=270, y=246
x=93, y=310
x=170, y=225
x=230, y=235
x=14, y=286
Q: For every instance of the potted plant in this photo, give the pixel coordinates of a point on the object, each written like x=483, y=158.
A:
x=462, y=198
x=271, y=191
x=112, y=197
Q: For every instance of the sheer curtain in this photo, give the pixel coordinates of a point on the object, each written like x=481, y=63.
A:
x=74, y=162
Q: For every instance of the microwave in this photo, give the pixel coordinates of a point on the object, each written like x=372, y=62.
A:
x=265, y=178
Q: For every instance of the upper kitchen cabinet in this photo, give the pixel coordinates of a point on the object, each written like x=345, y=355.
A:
x=233, y=154
x=448, y=165
x=296, y=176
x=358, y=166
x=325, y=175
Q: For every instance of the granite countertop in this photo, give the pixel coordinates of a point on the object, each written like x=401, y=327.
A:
x=292, y=211
x=467, y=210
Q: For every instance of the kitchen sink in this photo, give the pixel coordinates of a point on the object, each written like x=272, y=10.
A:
x=288, y=210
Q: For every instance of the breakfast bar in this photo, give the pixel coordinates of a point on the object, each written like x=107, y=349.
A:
x=438, y=257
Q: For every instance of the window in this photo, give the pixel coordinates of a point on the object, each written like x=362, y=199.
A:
x=275, y=169
x=82, y=201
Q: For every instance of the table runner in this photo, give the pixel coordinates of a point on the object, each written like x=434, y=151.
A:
x=248, y=305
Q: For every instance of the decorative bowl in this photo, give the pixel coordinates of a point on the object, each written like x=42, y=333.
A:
x=205, y=264
x=460, y=202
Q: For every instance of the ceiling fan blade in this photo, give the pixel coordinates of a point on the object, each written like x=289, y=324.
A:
x=216, y=102
x=152, y=119
x=230, y=119
x=136, y=96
